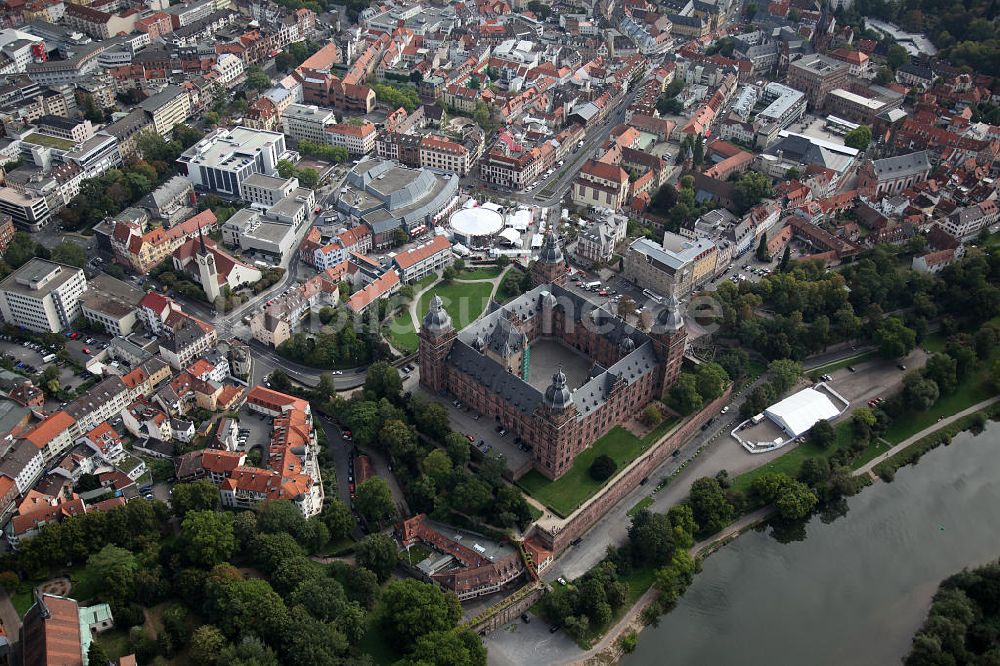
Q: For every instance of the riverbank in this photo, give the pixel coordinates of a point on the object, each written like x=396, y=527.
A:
x=609, y=650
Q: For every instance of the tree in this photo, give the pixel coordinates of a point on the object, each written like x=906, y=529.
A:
x=410, y=609
x=859, y=137
x=943, y=370
x=206, y=644
x=792, y=174
x=709, y=505
x=437, y=466
x=651, y=416
x=374, y=501
x=398, y=439
x=795, y=500
x=481, y=114
x=378, y=554
x=897, y=55
x=20, y=250
x=383, y=381
x=257, y=79
x=9, y=581
x=626, y=307
x=338, y=518
x=684, y=397
x=822, y=434
x=783, y=374
x=919, y=392
x=69, y=253
x=894, y=339
x=432, y=420
x=540, y=9
x=602, y=468
x=96, y=656
x=448, y=648
x=651, y=538
x=197, y=496
x=250, y=651
x=750, y=188
x=115, y=570
x=786, y=258
x=207, y=537
x=712, y=380
x=762, y=252
x=308, y=177
x=285, y=169
x=277, y=516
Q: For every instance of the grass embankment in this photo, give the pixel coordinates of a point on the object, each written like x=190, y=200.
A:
x=564, y=495
x=842, y=363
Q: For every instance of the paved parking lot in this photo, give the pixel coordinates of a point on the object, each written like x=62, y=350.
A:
x=259, y=427
x=484, y=428
x=877, y=378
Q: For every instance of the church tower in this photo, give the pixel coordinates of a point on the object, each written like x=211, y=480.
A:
x=669, y=340
x=436, y=337
x=550, y=268
x=207, y=273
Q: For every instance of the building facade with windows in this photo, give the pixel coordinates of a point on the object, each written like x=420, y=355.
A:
x=42, y=296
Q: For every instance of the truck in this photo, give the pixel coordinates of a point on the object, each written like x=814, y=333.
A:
x=49, y=358
x=757, y=419
x=592, y=285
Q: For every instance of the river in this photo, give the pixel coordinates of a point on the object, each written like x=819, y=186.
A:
x=855, y=589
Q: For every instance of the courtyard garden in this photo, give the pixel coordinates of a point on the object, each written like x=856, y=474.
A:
x=567, y=493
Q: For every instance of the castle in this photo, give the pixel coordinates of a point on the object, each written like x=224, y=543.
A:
x=487, y=364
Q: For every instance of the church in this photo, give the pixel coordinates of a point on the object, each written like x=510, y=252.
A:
x=488, y=365
x=211, y=267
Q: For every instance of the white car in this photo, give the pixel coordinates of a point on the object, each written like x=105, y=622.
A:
x=724, y=409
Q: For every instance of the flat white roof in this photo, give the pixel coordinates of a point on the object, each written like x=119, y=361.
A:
x=799, y=411
x=476, y=222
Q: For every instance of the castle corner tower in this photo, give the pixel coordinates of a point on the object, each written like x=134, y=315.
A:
x=436, y=337
x=670, y=339
x=550, y=268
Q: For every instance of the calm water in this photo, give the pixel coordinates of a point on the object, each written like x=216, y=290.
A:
x=854, y=590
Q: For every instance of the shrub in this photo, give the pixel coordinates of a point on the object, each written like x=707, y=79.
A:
x=602, y=468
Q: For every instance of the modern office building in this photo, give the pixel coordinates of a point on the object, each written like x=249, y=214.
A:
x=221, y=161
x=42, y=296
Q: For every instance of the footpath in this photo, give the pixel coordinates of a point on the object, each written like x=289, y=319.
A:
x=606, y=650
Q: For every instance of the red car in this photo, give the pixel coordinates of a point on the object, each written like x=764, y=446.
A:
x=470, y=438
x=86, y=350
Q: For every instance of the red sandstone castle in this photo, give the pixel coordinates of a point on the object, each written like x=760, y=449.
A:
x=487, y=364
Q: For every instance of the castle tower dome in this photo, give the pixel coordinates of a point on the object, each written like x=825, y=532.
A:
x=437, y=318
x=557, y=395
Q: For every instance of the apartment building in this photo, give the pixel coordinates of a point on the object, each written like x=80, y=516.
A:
x=169, y=107
x=111, y=303
x=356, y=139
x=53, y=435
x=307, y=122
x=444, y=155
x=42, y=296
x=28, y=211
x=104, y=401
x=674, y=267
x=601, y=185
x=266, y=191
x=424, y=259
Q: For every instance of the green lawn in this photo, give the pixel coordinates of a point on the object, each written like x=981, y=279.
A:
x=644, y=503
x=464, y=301
x=971, y=390
x=49, y=141
x=24, y=597
x=425, y=281
x=480, y=273
x=791, y=462
x=576, y=486
x=401, y=332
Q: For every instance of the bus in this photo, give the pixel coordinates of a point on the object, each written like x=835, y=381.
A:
x=649, y=294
